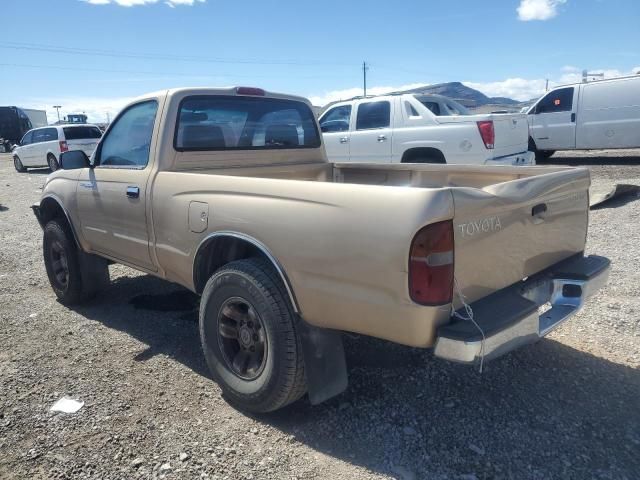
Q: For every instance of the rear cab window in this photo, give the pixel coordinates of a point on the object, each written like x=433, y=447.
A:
x=81, y=133
x=220, y=122
x=373, y=115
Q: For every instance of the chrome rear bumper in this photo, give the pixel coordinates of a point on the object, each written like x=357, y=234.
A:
x=522, y=313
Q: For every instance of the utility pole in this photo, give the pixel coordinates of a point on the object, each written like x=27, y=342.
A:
x=546, y=86
x=108, y=119
x=58, y=107
x=364, y=76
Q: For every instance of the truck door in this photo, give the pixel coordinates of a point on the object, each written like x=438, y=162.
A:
x=371, y=138
x=335, y=132
x=553, y=124
x=112, y=196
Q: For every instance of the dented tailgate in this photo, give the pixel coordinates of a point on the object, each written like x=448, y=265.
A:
x=508, y=231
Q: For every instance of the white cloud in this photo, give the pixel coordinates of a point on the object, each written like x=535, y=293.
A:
x=525, y=89
x=516, y=88
x=96, y=108
x=538, y=9
x=133, y=3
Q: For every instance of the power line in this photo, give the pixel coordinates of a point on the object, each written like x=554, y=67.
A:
x=154, y=56
x=139, y=72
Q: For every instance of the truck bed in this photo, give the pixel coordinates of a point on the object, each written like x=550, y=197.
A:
x=347, y=257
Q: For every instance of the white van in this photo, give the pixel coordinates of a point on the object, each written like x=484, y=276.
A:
x=594, y=115
x=42, y=147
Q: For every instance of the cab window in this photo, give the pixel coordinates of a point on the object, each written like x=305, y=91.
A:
x=128, y=141
x=336, y=119
x=373, y=115
x=560, y=100
x=218, y=122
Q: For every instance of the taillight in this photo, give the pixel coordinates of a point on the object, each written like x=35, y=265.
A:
x=63, y=146
x=250, y=91
x=431, y=264
x=487, y=133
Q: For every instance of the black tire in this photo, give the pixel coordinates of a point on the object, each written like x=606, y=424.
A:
x=540, y=154
x=250, y=289
x=52, y=162
x=20, y=168
x=544, y=154
x=74, y=276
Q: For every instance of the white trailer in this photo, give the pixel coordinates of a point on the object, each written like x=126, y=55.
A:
x=38, y=118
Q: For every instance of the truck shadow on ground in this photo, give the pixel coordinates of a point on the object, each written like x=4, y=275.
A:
x=581, y=160
x=545, y=411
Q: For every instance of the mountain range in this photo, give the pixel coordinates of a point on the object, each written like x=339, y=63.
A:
x=466, y=95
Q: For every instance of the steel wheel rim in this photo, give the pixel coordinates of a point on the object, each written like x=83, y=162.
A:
x=242, y=338
x=59, y=264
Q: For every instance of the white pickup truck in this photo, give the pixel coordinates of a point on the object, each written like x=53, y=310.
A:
x=417, y=128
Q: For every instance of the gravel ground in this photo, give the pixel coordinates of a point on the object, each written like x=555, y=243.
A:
x=566, y=407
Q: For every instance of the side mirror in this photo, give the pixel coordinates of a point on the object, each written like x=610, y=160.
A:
x=74, y=159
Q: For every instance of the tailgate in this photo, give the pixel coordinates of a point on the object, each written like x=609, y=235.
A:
x=88, y=145
x=511, y=230
x=511, y=134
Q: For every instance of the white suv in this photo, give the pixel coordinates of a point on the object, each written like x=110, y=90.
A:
x=42, y=147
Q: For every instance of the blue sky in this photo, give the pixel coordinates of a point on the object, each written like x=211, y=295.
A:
x=95, y=55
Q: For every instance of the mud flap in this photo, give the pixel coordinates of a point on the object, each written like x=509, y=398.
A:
x=324, y=361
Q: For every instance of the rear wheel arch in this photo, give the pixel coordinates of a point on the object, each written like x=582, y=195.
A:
x=423, y=155
x=221, y=248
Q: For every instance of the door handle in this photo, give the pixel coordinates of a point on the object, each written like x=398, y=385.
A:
x=382, y=138
x=344, y=139
x=133, y=192
x=573, y=117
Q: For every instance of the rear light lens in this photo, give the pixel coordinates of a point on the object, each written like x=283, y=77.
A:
x=258, y=92
x=63, y=146
x=487, y=133
x=431, y=265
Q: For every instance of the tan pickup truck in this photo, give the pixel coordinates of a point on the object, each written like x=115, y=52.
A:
x=228, y=192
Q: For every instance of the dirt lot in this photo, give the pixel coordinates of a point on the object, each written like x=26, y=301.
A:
x=567, y=407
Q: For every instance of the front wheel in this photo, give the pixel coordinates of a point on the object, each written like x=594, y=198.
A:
x=540, y=154
x=74, y=276
x=249, y=338
x=17, y=163
x=544, y=154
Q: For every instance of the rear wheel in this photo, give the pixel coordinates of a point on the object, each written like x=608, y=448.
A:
x=18, y=164
x=249, y=338
x=74, y=276
x=52, y=162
